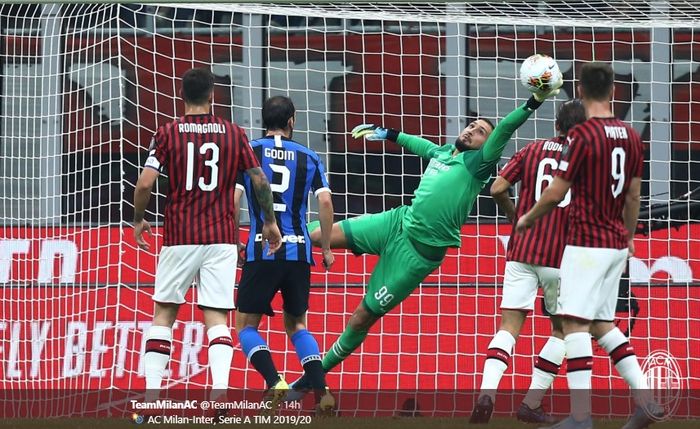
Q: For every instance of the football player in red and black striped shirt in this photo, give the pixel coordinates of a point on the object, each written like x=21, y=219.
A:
x=203, y=155
x=603, y=165
x=532, y=259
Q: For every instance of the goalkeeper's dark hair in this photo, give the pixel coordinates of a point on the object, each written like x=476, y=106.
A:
x=597, y=80
x=493, y=127
x=197, y=85
x=277, y=111
x=569, y=114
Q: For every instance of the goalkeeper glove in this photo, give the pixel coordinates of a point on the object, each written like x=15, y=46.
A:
x=550, y=92
x=370, y=132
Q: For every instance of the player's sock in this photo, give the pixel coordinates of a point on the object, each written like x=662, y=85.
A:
x=497, y=358
x=220, y=354
x=622, y=354
x=547, y=366
x=310, y=357
x=579, y=365
x=343, y=347
x=258, y=353
x=313, y=225
x=155, y=358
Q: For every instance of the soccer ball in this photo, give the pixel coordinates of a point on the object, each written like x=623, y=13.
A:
x=540, y=73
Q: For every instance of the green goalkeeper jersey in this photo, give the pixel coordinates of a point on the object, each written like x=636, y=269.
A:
x=450, y=184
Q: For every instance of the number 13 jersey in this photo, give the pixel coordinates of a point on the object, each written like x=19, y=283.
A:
x=202, y=155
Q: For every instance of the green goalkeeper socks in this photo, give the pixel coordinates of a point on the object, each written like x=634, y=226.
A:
x=343, y=347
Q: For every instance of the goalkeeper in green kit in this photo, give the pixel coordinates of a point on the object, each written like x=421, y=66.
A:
x=411, y=241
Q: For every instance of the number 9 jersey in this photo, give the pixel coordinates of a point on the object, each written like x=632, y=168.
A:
x=202, y=155
x=293, y=171
x=603, y=156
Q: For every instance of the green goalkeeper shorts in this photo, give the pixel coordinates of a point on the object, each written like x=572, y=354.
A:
x=401, y=268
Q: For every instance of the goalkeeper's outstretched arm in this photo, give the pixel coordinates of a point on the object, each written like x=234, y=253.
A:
x=493, y=148
x=418, y=145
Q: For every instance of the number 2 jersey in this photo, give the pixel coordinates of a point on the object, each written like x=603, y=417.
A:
x=293, y=171
x=202, y=155
x=603, y=156
x=533, y=166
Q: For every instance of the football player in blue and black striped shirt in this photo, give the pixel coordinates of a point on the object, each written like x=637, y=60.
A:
x=293, y=171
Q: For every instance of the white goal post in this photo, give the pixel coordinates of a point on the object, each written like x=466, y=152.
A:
x=83, y=88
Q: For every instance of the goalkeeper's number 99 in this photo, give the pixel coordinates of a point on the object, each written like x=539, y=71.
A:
x=383, y=296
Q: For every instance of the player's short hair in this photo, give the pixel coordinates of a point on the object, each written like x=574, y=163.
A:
x=597, y=80
x=276, y=112
x=493, y=127
x=569, y=114
x=197, y=85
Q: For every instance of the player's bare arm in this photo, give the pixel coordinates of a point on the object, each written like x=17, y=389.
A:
x=499, y=193
x=263, y=193
x=237, y=223
x=551, y=197
x=630, y=212
x=236, y=209
x=325, y=216
x=142, y=195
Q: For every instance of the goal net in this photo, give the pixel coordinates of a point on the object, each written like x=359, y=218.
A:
x=84, y=87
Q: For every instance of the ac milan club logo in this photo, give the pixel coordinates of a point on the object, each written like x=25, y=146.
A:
x=665, y=382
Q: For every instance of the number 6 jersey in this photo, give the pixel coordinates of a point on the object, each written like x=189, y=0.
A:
x=202, y=155
x=293, y=171
x=534, y=166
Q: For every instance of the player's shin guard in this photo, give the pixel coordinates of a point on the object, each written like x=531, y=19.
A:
x=497, y=358
x=625, y=360
x=579, y=365
x=155, y=358
x=547, y=366
x=310, y=357
x=220, y=355
x=343, y=347
x=258, y=353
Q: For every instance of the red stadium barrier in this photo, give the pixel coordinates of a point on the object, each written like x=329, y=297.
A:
x=91, y=256
x=88, y=334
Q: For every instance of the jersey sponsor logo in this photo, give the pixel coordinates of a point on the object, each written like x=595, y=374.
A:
x=615, y=132
x=210, y=128
x=286, y=238
x=286, y=155
x=434, y=163
x=434, y=166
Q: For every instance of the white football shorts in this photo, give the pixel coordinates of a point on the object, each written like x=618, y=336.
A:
x=212, y=265
x=520, y=286
x=590, y=282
